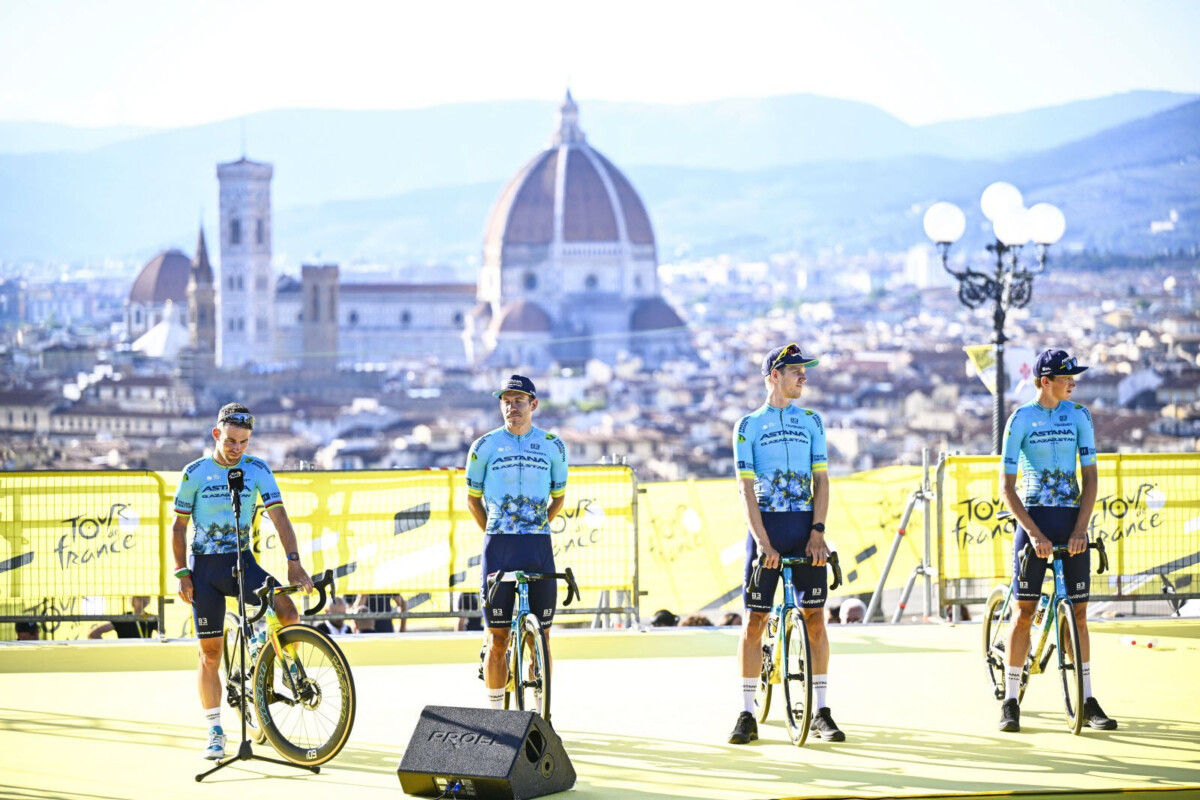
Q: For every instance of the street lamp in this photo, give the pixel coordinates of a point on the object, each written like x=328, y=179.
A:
x=1011, y=284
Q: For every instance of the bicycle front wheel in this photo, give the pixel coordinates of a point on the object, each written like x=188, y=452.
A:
x=530, y=669
x=796, y=663
x=231, y=660
x=1070, y=664
x=307, y=715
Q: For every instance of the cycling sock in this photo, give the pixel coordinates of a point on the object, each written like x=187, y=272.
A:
x=1087, y=679
x=1012, y=682
x=749, y=687
x=213, y=717
x=820, y=683
x=496, y=697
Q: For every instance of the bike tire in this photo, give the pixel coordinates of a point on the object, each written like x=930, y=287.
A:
x=796, y=663
x=997, y=622
x=529, y=655
x=1070, y=664
x=311, y=729
x=233, y=687
x=762, y=694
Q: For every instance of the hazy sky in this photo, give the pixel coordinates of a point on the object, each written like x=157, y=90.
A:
x=168, y=63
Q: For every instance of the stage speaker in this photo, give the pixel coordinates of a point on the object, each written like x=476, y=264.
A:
x=486, y=753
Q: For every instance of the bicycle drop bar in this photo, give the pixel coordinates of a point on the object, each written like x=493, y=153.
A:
x=266, y=595
x=801, y=561
x=500, y=577
x=1062, y=551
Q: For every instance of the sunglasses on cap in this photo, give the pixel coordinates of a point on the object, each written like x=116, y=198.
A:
x=792, y=349
x=237, y=418
x=1068, y=364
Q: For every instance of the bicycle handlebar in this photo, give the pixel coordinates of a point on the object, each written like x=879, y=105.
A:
x=495, y=580
x=266, y=595
x=801, y=561
x=1060, y=552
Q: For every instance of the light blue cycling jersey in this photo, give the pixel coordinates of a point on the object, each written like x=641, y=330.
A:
x=203, y=495
x=516, y=476
x=780, y=448
x=1043, y=443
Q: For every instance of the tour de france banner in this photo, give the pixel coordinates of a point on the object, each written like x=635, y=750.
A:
x=1147, y=513
x=67, y=539
x=693, y=537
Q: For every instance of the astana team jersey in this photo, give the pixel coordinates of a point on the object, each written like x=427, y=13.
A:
x=203, y=495
x=1043, y=443
x=780, y=448
x=516, y=476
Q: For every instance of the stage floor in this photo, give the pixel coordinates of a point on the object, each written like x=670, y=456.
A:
x=642, y=715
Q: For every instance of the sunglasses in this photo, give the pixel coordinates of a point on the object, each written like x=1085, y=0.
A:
x=238, y=418
x=791, y=350
x=1070, y=363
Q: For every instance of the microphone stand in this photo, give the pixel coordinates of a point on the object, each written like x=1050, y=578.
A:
x=244, y=753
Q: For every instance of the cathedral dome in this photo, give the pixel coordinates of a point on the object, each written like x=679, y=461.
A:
x=567, y=194
x=165, y=277
x=523, y=316
x=654, y=314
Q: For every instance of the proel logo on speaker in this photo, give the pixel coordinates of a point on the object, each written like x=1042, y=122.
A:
x=455, y=739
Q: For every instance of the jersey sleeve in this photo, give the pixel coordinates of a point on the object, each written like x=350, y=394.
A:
x=476, y=468
x=185, y=495
x=1014, y=437
x=1085, y=434
x=558, y=468
x=268, y=488
x=820, y=454
x=743, y=450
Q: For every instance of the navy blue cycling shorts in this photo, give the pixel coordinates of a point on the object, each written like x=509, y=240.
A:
x=527, y=552
x=1056, y=524
x=788, y=533
x=213, y=580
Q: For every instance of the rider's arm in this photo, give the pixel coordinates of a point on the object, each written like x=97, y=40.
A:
x=1087, y=501
x=477, y=464
x=179, y=552
x=287, y=537
x=100, y=630
x=817, y=550
x=743, y=459
x=478, y=510
x=1010, y=454
x=558, y=479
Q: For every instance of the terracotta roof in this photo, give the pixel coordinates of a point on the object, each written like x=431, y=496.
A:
x=587, y=212
x=523, y=316
x=654, y=314
x=165, y=277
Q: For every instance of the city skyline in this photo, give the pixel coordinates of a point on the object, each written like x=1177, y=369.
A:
x=169, y=65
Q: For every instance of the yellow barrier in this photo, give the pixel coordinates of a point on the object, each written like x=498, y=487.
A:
x=1147, y=514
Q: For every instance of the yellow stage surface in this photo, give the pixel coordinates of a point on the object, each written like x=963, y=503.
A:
x=642, y=715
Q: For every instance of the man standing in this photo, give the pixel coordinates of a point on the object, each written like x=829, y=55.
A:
x=143, y=627
x=207, y=572
x=1042, y=438
x=784, y=488
x=516, y=482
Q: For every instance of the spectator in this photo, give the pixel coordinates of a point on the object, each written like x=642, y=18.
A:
x=27, y=632
x=696, y=621
x=664, y=619
x=835, y=615
x=731, y=619
x=469, y=601
x=145, y=626
x=337, y=605
x=378, y=604
x=854, y=610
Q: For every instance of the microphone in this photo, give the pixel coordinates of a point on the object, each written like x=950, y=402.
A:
x=237, y=481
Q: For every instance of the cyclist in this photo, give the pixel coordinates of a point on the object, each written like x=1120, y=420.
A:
x=784, y=489
x=516, y=484
x=1042, y=438
x=206, y=570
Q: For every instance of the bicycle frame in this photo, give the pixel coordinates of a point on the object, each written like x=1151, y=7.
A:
x=294, y=674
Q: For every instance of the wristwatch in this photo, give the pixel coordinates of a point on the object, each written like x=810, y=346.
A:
x=819, y=527
x=293, y=556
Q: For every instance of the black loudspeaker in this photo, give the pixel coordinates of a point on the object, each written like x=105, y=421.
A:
x=486, y=753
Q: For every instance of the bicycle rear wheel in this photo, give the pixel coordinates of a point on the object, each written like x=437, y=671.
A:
x=530, y=671
x=230, y=663
x=796, y=663
x=306, y=719
x=1070, y=664
x=997, y=622
x=762, y=695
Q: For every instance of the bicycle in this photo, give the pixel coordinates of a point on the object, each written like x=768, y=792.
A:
x=302, y=691
x=788, y=658
x=998, y=621
x=527, y=641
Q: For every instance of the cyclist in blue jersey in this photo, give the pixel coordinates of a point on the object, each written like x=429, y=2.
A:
x=1042, y=438
x=780, y=457
x=516, y=484
x=206, y=569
